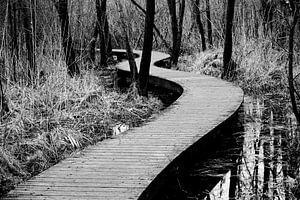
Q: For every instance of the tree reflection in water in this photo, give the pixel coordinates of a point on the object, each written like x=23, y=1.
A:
x=255, y=156
x=264, y=169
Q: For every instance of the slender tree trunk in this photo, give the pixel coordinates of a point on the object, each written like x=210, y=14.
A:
x=255, y=178
x=107, y=38
x=147, y=48
x=180, y=29
x=67, y=42
x=199, y=23
x=14, y=52
x=176, y=26
x=132, y=63
x=209, y=27
x=101, y=18
x=155, y=27
x=267, y=165
x=93, y=43
x=130, y=55
x=4, y=107
x=3, y=102
x=223, y=20
x=227, y=60
x=108, y=44
x=267, y=12
x=291, y=64
x=29, y=37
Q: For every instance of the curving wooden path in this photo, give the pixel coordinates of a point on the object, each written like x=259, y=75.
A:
x=123, y=167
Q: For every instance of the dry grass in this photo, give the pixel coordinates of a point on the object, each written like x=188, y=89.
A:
x=260, y=67
x=59, y=116
x=208, y=62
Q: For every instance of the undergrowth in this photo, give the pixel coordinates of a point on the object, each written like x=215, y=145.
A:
x=260, y=66
x=61, y=115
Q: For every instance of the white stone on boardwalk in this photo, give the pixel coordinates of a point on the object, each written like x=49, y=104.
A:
x=123, y=167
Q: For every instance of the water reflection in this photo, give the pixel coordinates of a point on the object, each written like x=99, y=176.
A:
x=255, y=156
x=263, y=170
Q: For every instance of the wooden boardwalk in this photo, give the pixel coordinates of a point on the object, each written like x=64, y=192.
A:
x=123, y=167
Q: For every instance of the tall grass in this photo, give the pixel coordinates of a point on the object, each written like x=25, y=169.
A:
x=261, y=68
x=60, y=115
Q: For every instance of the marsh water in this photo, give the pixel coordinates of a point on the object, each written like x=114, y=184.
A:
x=255, y=158
x=268, y=162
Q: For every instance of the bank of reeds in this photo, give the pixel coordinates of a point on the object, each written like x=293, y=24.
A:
x=261, y=69
x=60, y=115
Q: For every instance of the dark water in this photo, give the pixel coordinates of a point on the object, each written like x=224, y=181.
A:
x=266, y=167
x=257, y=157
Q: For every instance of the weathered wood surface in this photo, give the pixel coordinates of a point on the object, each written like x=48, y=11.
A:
x=121, y=168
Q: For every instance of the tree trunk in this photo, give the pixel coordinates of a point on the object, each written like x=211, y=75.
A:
x=267, y=163
x=67, y=43
x=101, y=20
x=132, y=63
x=4, y=107
x=209, y=27
x=180, y=29
x=13, y=33
x=107, y=38
x=130, y=55
x=291, y=64
x=147, y=48
x=176, y=26
x=28, y=21
x=227, y=60
x=155, y=27
x=93, y=43
x=199, y=23
x=3, y=103
x=267, y=12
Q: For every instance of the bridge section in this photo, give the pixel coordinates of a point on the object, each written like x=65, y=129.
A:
x=127, y=166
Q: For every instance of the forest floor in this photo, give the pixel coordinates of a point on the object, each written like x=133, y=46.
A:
x=60, y=116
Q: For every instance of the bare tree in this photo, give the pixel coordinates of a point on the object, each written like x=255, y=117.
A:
x=196, y=12
x=176, y=24
x=267, y=13
x=209, y=27
x=3, y=102
x=130, y=55
x=147, y=48
x=227, y=60
x=28, y=23
x=4, y=108
x=105, y=38
x=93, y=43
x=295, y=18
x=155, y=27
x=67, y=42
x=13, y=34
x=102, y=25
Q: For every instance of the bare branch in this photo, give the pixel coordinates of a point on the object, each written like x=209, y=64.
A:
x=155, y=27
